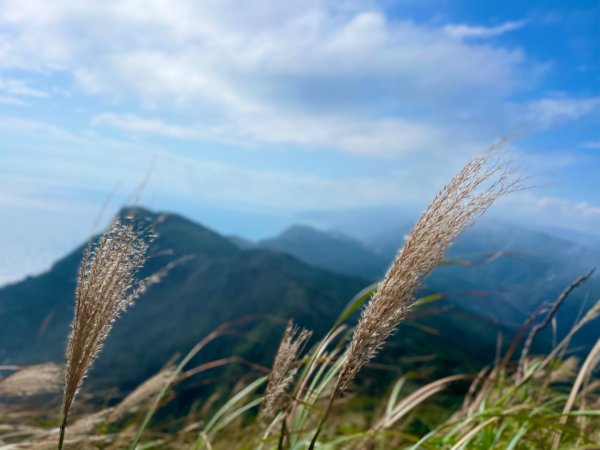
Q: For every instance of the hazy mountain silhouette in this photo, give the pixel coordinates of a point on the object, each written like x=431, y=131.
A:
x=503, y=271
x=219, y=284
x=223, y=282
x=329, y=250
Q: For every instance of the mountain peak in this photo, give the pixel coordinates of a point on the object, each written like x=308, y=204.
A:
x=178, y=234
x=133, y=211
x=220, y=283
x=331, y=250
x=307, y=231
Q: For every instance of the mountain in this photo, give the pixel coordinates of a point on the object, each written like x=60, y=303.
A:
x=505, y=271
x=583, y=239
x=330, y=250
x=223, y=282
x=220, y=283
x=277, y=279
x=361, y=223
x=241, y=242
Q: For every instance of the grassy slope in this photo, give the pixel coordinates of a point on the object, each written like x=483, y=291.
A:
x=221, y=283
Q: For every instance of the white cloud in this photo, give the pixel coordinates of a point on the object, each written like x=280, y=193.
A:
x=130, y=122
x=568, y=208
x=592, y=144
x=554, y=210
x=86, y=168
x=375, y=137
x=8, y=100
x=280, y=71
x=20, y=88
x=467, y=31
x=15, y=92
x=549, y=111
x=23, y=127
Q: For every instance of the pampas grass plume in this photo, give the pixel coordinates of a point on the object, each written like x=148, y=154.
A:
x=284, y=368
x=106, y=287
x=459, y=204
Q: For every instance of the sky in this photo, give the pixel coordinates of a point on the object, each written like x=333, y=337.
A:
x=249, y=116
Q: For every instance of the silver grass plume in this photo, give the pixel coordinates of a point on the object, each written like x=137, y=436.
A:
x=457, y=206
x=106, y=287
x=284, y=368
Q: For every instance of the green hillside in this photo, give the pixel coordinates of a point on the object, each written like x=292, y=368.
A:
x=220, y=283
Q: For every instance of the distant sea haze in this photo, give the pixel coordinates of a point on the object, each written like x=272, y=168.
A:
x=33, y=250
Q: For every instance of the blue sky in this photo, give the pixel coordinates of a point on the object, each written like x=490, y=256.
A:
x=252, y=113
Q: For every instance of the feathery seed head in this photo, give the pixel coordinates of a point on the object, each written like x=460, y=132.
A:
x=458, y=205
x=106, y=287
x=284, y=368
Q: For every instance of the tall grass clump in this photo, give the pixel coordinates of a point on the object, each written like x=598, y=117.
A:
x=107, y=285
x=547, y=405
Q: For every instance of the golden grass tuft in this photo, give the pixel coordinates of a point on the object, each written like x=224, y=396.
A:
x=284, y=368
x=457, y=206
x=106, y=287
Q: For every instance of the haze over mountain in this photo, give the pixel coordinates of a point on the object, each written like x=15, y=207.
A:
x=304, y=274
x=503, y=271
x=328, y=249
x=219, y=284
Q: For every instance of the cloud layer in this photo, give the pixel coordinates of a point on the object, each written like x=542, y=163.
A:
x=302, y=73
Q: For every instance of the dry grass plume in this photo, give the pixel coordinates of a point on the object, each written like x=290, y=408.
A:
x=107, y=285
x=458, y=205
x=284, y=368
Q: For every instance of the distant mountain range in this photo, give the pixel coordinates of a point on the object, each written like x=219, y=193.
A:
x=330, y=250
x=502, y=271
x=303, y=273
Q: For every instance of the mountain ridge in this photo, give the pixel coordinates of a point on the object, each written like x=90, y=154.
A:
x=501, y=271
x=224, y=282
x=221, y=283
x=327, y=249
